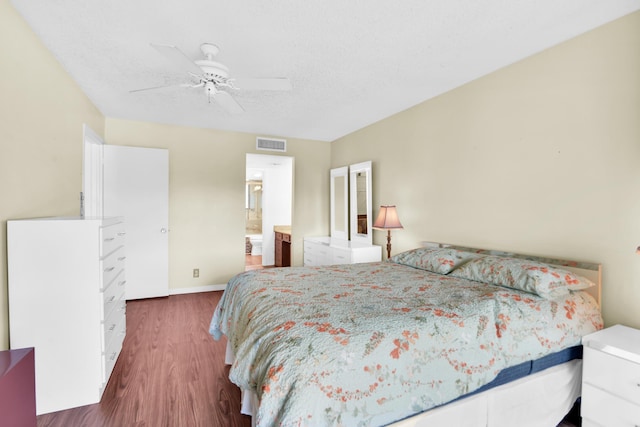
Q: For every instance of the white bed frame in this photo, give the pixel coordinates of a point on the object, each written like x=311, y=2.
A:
x=539, y=400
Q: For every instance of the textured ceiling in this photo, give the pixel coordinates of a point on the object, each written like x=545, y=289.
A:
x=351, y=63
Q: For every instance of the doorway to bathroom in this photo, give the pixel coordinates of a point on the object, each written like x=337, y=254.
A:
x=268, y=203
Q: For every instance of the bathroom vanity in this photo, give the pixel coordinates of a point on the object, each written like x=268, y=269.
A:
x=283, y=245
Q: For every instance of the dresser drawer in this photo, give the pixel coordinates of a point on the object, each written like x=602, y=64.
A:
x=112, y=266
x=112, y=326
x=340, y=256
x=109, y=332
x=310, y=247
x=613, y=374
x=322, y=253
x=111, y=237
x=117, y=334
x=109, y=273
x=112, y=352
x=316, y=253
x=367, y=254
x=603, y=408
x=113, y=294
x=110, y=363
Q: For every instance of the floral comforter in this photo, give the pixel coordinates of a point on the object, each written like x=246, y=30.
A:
x=369, y=344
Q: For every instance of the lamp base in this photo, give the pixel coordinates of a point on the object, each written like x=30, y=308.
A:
x=388, y=244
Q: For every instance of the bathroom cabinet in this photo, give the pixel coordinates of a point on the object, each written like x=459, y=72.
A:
x=283, y=249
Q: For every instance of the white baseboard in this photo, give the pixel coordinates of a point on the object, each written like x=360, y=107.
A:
x=196, y=289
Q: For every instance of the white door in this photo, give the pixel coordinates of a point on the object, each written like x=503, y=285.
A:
x=92, y=160
x=136, y=186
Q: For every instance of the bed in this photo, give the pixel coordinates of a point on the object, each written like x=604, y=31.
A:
x=429, y=337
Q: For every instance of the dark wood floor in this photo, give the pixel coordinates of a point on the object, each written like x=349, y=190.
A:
x=170, y=373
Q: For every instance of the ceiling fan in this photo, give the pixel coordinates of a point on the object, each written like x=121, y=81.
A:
x=213, y=77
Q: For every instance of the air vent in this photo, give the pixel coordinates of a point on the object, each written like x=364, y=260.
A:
x=271, y=144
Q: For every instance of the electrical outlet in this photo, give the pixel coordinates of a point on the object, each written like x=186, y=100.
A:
x=196, y=272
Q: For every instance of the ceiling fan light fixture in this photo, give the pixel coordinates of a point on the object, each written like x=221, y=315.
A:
x=213, y=69
x=211, y=90
x=210, y=87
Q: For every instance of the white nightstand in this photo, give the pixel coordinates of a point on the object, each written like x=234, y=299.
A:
x=611, y=378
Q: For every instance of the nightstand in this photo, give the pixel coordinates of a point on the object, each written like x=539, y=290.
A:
x=611, y=378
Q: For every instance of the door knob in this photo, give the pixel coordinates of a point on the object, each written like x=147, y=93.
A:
x=163, y=230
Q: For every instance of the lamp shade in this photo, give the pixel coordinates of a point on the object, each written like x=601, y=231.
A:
x=387, y=218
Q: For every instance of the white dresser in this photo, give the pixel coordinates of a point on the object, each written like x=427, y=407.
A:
x=327, y=251
x=66, y=299
x=611, y=378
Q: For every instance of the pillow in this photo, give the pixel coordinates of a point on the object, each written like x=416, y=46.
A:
x=437, y=260
x=540, y=279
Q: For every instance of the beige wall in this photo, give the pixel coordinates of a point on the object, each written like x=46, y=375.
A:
x=206, y=195
x=541, y=157
x=41, y=116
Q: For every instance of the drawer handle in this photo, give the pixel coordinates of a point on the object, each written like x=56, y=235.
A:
x=111, y=299
x=106, y=270
x=112, y=327
x=113, y=356
x=109, y=239
x=122, y=258
x=121, y=233
x=122, y=283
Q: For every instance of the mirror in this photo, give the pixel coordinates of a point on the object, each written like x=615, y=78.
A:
x=339, y=203
x=360, y=181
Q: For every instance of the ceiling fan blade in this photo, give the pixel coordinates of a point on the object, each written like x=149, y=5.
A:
x=278, y=83
x=227, y=102
x=164, y=87
x=177, y=57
